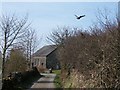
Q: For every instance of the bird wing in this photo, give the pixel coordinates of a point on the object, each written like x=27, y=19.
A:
x=83, y=15
x=76, y=16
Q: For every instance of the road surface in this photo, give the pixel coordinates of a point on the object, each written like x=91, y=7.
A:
x=47, y=81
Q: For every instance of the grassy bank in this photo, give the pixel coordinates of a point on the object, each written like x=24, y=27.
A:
x=57, y=80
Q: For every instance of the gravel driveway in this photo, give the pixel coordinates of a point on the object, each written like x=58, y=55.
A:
x=47, y=81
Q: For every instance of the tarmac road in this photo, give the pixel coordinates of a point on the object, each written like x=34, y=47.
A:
x=47, y=81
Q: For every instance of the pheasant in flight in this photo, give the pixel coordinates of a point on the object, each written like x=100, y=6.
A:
x=79, y=17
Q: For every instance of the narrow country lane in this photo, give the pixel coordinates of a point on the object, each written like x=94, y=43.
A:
x=47, y=81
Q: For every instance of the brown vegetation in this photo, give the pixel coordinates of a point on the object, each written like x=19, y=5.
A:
x=90, y=59
x=16, y=62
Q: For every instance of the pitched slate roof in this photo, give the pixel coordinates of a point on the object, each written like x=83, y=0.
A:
x=44, y=51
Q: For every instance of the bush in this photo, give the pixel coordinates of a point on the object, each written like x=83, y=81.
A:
x=94, y=56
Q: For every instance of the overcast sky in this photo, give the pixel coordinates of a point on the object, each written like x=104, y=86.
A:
x=47, y=16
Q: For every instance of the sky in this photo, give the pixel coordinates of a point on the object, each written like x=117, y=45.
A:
x=60, y=0
x=46, y=16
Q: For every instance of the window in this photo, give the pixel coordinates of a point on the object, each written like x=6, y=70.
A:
x=42, y=64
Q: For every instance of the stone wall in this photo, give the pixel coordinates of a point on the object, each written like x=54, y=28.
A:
x=52, y=61
x=39, y=62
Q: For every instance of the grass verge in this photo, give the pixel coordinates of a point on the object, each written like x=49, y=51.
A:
x=57, y=80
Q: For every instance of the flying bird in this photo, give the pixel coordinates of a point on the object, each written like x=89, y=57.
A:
x=79, y=17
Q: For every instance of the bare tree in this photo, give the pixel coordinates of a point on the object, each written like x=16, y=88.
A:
x=59, y=36
x=29, y=42
x=12, y=28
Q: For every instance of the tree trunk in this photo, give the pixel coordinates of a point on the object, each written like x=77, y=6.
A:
x=3, y=64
